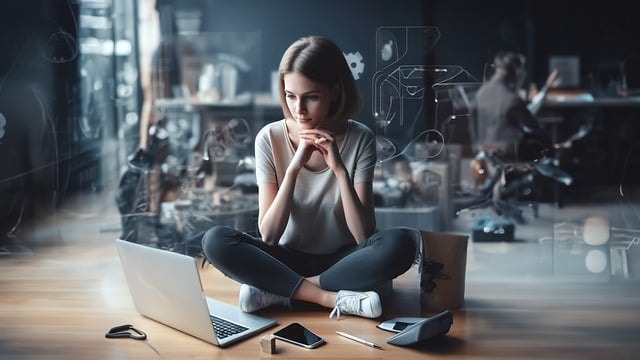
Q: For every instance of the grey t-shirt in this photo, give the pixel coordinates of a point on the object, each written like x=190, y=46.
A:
x=317, y=222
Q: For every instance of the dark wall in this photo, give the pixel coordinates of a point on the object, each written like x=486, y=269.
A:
x=352, y=24
x=36, y=67
x=472, y=31
x=599, y=33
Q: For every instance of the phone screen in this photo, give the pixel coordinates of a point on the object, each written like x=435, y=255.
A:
x=296, y=333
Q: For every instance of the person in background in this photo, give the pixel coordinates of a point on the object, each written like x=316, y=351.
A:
x=502, y=115
x=157, y=80
x=316, y=218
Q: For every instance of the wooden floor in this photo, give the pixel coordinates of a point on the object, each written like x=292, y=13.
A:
x=58, y=302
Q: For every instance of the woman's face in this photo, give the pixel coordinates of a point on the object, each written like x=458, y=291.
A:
x=309, y=102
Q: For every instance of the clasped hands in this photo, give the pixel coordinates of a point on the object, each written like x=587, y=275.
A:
x=318, y=140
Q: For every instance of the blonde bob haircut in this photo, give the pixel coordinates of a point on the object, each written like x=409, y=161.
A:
x=322, y=61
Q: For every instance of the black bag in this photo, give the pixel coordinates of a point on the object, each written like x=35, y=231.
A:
x=130, y=202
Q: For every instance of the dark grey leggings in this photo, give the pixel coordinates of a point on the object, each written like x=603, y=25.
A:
x=279, y=269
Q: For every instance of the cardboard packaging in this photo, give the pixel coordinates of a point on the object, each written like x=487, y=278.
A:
x=442, y=270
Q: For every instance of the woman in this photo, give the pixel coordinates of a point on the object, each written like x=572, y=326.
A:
x=503, y=117
x=316, y=214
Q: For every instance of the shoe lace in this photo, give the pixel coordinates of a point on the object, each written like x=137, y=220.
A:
x=349, y=304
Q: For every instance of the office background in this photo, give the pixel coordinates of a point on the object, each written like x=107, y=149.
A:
x=62, y=130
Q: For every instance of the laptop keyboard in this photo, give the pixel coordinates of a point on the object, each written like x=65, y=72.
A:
x=225, y=328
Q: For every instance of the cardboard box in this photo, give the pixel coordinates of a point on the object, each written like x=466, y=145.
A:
x=442, y=270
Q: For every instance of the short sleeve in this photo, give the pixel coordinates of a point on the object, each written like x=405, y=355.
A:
x=265, y=165
x=366, y=160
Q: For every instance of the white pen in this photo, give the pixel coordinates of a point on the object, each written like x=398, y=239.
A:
x=361, y=341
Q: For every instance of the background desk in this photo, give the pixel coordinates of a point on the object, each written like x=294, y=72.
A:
x=605, y=155
x=565, y=99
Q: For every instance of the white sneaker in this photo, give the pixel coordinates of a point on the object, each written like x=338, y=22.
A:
x=365, y=304
x=253, y=299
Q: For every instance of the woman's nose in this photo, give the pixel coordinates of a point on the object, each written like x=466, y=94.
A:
x=300, y=107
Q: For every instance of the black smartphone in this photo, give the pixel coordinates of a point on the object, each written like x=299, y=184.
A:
x=298, y=334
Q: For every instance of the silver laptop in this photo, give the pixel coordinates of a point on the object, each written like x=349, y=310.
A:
x=165, y=286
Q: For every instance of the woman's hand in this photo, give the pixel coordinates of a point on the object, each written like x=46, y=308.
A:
x=303, y=153
x=324, y=142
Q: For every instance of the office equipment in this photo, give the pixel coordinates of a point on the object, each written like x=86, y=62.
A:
x=568, y=67
x=298, y=334
x=357, y=339
x=165, y=286
x=127, y=331
x=411, y=330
